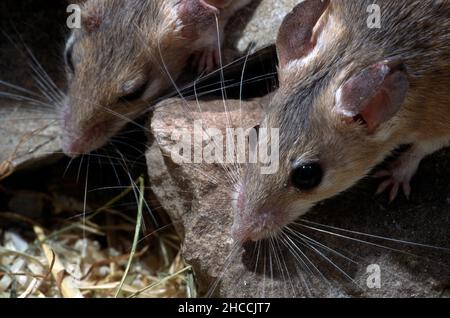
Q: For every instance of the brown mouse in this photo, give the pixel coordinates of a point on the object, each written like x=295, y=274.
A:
x=126, y=53
x=349, y=95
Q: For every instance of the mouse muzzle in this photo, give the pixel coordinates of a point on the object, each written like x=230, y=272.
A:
x=258, y=217
x=76, y=143
x=84, y=136
x=254, y=221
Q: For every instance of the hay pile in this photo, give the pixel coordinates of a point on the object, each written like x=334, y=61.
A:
x=82, y=257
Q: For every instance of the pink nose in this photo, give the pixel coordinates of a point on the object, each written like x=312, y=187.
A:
x=257, y=225
x=72, y=149
x=76, y=145
x=239, y=234
x=78, y=141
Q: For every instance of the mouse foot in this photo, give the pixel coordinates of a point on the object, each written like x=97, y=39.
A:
x=206, y=60
x=399, y=174
x=394, y=185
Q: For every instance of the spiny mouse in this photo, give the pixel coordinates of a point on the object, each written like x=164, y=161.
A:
x=127, y=53
x=349, y=95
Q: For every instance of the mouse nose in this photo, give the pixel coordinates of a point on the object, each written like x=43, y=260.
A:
x=239, y=234
x=72, y=148
x=253, y=228
x=84, y=140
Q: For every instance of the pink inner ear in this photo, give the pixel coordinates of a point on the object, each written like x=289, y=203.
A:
x=375, y=95
x=296, y=34
x=374, y=113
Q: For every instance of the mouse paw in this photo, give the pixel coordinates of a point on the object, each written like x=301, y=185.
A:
x=399, y=174
x=394, y=184
x=207, y=60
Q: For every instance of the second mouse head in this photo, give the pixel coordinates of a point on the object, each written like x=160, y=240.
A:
x=125, y=54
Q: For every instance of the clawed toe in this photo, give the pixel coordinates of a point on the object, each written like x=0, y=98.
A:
x=394, y=186
x=400, y=172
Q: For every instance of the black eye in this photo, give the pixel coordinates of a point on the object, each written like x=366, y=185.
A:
x=135, y=94
x=307, y=176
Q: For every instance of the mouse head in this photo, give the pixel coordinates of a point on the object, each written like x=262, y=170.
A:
x=125, y=54
x=333, y=124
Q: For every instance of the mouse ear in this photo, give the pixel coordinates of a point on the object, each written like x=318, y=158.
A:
x=375, y=95
x=196, y=15
x=91, y=20
x=300, y=29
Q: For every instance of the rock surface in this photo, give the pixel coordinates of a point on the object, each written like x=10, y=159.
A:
x=28, y=137
x=257, y=25
x=198, y=199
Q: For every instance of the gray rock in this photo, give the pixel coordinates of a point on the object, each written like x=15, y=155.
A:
x=29, y=136
x=257, y=25
x=198, y=199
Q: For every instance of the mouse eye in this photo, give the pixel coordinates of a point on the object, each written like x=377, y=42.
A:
x=307, y=176
x=135, y=93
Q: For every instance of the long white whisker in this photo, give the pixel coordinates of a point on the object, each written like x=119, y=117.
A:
x=19, y=88
x=379, y=237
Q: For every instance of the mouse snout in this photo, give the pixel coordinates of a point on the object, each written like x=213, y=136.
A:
x=83, y=141
x=83, y=136
x=257, y=218
x=254, y=224
x=250, y=224
x=70, y=147
x=255, y=227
